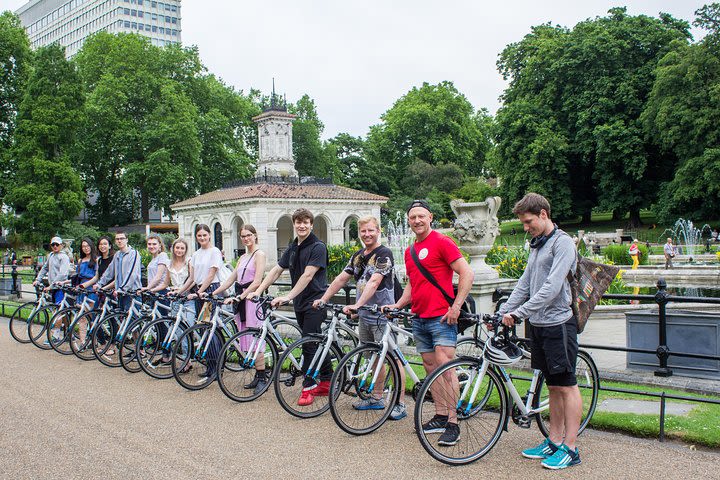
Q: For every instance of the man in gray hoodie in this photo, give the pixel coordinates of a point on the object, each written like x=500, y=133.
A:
x=124, y=269
x=543, y=296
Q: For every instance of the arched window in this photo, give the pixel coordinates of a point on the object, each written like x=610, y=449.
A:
x=217, y=233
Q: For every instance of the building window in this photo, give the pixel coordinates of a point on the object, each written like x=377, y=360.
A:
x=127, y=24
x=154, y=4
x=133, y=25
x=126, y=11
x=133, y=13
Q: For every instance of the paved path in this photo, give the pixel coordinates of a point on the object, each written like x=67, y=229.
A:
x=64, y=418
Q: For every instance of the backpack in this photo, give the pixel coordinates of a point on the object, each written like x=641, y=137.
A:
x=587, y=284
x=397, y=288
x=223, y=273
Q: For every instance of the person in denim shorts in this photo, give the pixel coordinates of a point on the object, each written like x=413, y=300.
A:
x=372, y=267
x=435, y=329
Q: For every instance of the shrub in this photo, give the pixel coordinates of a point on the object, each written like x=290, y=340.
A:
x=510, y=262
x=618, y=254
x=338, y=257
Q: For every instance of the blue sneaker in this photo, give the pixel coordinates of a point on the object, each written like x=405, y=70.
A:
x=370, y=404
x=562, y=458
x=545, y=450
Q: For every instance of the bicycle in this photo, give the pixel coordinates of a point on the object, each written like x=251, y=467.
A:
x=19, y=320
x=487, y=398
x=41, y=320
x=296, y=371
x=110, y=333
x=131, y=353
x=238, y=374
x=66, y=317
x=373, y=373
x=88, y=323
x=157, y=338
x=200, y=346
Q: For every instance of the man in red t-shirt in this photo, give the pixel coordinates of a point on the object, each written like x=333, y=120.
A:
x=435, y=330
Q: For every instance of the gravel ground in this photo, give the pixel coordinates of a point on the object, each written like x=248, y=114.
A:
x=64, y=418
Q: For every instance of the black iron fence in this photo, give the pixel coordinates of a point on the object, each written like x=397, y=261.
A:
x=663, y=352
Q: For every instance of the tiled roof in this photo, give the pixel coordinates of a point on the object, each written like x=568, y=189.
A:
x=274, y=190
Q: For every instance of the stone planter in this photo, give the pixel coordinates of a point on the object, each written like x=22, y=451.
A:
x=687, y=332
x=476, y=226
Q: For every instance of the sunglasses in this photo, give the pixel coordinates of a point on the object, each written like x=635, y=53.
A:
x=54, y=244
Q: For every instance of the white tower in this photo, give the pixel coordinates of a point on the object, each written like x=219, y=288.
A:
x=275, y=141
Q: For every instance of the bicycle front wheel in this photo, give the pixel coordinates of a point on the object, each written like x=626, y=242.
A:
x=38, y=323
x=295, y=375
x=81, y=335
x=363, y=390
x=58, y=335
x=19, y=322
x=154, y=347
x=588, y=382
x=247, y=364
x=195, y=357
x=458, y=390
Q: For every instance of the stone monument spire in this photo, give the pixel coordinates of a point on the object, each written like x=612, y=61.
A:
x=275, y=139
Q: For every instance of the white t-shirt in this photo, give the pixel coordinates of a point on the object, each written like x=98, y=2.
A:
x=202, y=261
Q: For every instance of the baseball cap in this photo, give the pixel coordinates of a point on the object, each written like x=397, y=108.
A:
x=57, y=240
x=419, y=203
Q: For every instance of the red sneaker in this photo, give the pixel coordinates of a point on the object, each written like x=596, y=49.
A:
x=322, y=389
x=307, y=397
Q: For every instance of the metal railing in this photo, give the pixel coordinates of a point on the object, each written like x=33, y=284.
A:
x=663, y=352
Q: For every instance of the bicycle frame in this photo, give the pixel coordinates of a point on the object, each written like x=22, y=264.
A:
x=215, y=324
x=388, y=344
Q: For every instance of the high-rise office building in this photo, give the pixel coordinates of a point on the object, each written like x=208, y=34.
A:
x=70, y=22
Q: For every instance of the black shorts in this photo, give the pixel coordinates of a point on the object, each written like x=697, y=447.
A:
x=554, y=352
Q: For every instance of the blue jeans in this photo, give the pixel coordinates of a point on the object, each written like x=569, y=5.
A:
x=430, y=333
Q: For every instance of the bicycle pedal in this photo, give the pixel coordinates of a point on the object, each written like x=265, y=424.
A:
x=524, y=422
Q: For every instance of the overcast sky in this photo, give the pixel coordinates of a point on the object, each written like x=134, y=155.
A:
x=355, y=58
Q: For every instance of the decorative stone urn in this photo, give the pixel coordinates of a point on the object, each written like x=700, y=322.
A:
x=476, y=227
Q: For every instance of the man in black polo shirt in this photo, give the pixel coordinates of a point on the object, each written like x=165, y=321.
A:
x=306, y=258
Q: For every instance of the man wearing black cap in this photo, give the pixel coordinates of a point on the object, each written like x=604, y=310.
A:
x=435, y=256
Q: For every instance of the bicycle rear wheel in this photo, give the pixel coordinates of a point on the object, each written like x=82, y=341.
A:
x=588, y=382
x=237, y=376
x=81, y=335
x=38, y=323
x=195, y=357
x=358, y=405
x=18, y=324
x=291, y=378
x=58, y=336
x=480, y=421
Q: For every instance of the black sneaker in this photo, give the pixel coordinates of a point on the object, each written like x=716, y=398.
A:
x=254, y=382
x=450, y=436
x=436, y=424
x=261, y=385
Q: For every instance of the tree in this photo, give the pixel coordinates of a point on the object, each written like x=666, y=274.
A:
x=589, y=85
x=312, y=157
x=158, y=123
x=435, y=124
x=15, y=58
x=45, y=190
x=682, y=118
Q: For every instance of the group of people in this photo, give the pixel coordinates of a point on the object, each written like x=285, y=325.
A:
x=542, y=296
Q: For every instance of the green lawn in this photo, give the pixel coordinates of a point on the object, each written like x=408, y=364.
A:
x=700, y=426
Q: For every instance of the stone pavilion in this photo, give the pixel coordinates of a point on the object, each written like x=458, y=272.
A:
x=268, y=200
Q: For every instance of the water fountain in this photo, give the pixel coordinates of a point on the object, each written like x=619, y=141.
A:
x=398, y=237
x=686, y=235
